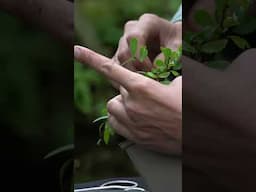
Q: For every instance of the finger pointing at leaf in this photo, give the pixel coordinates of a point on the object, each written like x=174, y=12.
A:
x=106, y=66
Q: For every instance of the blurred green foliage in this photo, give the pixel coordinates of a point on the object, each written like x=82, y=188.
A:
x=32, y=81
x=99, y=26
x=223, y=35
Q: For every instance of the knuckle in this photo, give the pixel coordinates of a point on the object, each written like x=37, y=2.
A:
x=141, y=86
x=107, y=67
x=129, y=24
x=135, y=34
x=111, y=105
x=147, y=17
x=131, y=110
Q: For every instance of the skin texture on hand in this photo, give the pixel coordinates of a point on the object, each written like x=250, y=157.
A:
x=146, y=111
x=153, y=32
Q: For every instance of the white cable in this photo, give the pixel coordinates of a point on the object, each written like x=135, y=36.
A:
x=126, y=182
x=110, y=185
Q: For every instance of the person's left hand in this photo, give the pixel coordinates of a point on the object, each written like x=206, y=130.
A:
x=146, y=112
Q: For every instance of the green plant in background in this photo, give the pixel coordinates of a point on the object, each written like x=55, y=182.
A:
x=220, y=33
x=163, y=71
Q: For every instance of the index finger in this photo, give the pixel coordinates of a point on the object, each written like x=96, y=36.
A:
x=105, y=66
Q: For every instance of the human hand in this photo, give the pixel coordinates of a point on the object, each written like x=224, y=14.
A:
x=146, y=111
x=150, y=31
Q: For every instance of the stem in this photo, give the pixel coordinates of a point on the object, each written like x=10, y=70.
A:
x=128, y=61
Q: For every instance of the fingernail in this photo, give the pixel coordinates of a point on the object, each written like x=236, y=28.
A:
x=77, y=51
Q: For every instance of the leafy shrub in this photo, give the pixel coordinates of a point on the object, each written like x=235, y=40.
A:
x=222, y=36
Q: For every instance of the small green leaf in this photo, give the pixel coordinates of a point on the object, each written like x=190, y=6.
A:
x=175, y=73
x=230, y=22
x=165, y=82
x=162, y=68
x=240, y=42
x=143, y=53
x=188, y=48
x=108, y=132
x=151, y=75
x=155, y=70
x=164, y=75
x=166, y=51
x=214, y=46
x=177, y=66
x=203, y=18
x=159, y=63
x=106, y=136
x=133, y=46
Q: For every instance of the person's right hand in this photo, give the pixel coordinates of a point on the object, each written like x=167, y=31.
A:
x=153, y=32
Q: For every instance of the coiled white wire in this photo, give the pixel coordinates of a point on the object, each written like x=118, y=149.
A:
x=126, y=185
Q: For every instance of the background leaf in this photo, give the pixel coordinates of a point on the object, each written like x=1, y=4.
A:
x=203, y=18
x=188, y=48
x=214, y=46
x=240, y=42
x=230, y=22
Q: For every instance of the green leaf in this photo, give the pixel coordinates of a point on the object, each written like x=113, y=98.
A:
x=230, y=22
x=175, y=73
x=143, y=53
x=240, y=42
x=188, y=48
x=155, y=70
x=162, y=68
x=159, y=62
x=203, y=18
x=108, y=132
x=177, y=66
x=166, y=51
x=151, y=75
x=165, y=82
x=214, y=46
x=133, y=46
x=164, y=75
x=106, y=136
